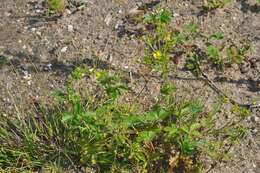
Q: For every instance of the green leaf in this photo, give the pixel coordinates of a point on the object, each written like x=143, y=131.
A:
x=66, y=117
x=192, y=108
x=217, y=36
x=59, y=95
x=213, y=52
x=164, y=16
x=157, y=114
x=172, y=131
x=133, y=120
x=146, y=136
x=168, y=88
x=79, y=72
x=195, y=126
x=188, y=146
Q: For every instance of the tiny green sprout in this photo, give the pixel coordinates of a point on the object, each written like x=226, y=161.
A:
x=193, y=64
x=79, y=72
x=158, y=17
x=241, y=111
x=214, y=55
x=168, y=88
x=56, y=6
x=214, y=4
x=225, y=100
x=217, y=36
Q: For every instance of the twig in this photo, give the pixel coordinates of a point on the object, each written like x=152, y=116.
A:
x=217, y=90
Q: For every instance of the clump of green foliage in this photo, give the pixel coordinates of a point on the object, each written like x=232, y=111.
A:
x=101, y=132
x=165, y=45
x=214, y=4
x=55, y=6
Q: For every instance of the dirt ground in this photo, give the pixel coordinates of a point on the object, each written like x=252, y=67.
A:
x=37, y=53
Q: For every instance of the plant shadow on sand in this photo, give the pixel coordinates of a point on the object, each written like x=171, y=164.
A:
x=33, y=65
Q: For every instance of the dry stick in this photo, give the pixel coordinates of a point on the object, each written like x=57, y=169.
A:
x=217, y=90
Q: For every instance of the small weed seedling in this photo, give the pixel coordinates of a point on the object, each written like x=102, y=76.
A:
x=214, y=4
x=55, y=6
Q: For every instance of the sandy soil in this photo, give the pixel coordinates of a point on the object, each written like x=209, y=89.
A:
x=37, y=53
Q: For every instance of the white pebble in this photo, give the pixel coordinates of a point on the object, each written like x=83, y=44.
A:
x=64, y=49
x=39, y=33
x=70, y=28
x=68, y=11
x=176, y=14
x=108, y=19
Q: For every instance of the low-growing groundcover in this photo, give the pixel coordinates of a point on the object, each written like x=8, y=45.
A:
x=103, y=133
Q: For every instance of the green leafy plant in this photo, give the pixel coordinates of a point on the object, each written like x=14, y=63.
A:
x=214, y=54
x=106, y=133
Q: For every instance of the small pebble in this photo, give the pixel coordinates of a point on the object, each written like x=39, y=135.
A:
x=27, y=76
x=70, y=28
x=7, y=14
x=254, y=118
x=108, y=19
x=38, y=33
x=64, y=49
x=68, y=11
x=176, y=14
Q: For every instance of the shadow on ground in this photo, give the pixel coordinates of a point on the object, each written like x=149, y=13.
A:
x=32, y=64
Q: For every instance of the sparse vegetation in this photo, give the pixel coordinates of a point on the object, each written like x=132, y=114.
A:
x=105, y=133
x=99, y=129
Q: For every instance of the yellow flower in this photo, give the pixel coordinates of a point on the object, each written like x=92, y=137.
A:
x=157, y=55
x=98, y=75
